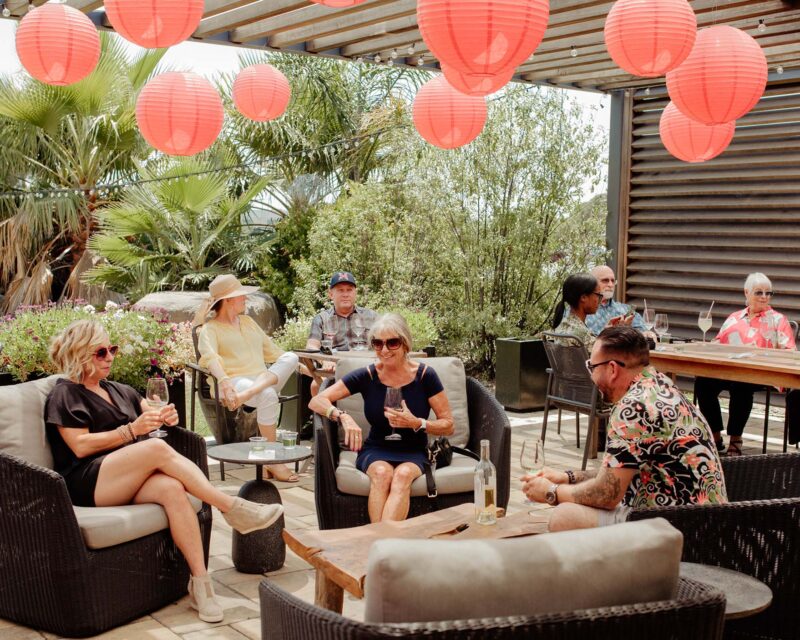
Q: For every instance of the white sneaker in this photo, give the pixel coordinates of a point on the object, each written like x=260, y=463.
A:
x=246, y=516
x=204, y=600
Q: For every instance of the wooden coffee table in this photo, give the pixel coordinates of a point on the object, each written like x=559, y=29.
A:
x=340, y=555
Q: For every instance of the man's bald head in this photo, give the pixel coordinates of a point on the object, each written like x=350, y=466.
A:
x=605, y=276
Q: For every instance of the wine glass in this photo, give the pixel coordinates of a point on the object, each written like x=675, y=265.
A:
x=661, y=325
x=704, y=322
x=531, y=459
x=771, y=323
x=393, y=400
x=358, y=332
x=157, y=397
x=330, y=327
x=649, y=318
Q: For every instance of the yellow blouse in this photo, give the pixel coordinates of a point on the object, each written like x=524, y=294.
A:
x=240, y=352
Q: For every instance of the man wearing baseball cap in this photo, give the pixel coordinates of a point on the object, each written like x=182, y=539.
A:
x=342, y=291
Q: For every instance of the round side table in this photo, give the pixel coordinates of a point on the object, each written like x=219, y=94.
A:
x=264, y=550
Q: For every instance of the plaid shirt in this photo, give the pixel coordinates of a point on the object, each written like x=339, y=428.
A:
x=344, y=333
x=610, y=309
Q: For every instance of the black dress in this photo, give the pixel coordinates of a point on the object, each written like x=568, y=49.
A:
x=412, y=446
x=72, y=405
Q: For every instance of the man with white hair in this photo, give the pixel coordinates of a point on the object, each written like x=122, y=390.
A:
x=611, y=312
x=758, y=324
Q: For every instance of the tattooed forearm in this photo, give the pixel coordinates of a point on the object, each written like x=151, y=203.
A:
x=583, y=476
x=602, y=492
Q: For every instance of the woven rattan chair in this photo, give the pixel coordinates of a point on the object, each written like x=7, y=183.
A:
x=762, y=477
x=696, y=613
x=52, y=582
x=570, y=386
x=487, y=421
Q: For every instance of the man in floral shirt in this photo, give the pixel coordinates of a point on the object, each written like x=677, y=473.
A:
x=660, y=450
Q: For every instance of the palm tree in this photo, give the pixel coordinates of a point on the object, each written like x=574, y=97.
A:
x=177, y=229
x=64, y=142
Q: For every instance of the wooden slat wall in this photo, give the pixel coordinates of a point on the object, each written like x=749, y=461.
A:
x=692, y=232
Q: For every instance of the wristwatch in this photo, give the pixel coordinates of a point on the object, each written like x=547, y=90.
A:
x=423, y=425
x=552, y=495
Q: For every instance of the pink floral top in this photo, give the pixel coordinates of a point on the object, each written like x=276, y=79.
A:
x=657, y=431
x=766, y=329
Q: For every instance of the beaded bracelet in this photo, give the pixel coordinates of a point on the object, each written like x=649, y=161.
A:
x=122, y=432
x=130, y=431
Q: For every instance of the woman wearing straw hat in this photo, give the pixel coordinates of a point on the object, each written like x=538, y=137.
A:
x=236, y=351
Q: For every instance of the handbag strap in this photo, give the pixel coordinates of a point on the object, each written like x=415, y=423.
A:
x=429, y=480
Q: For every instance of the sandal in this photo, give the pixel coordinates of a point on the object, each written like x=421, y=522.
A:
x=291, y=477
x=734, y=448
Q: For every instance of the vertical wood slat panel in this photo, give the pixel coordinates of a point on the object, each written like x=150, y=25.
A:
x=694, y=231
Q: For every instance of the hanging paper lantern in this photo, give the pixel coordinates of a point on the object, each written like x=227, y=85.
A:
x=445, y=117
x=650, y=37
x=482, y=37
x=338, y=3
x=261, y=92
x=179, y=113
x=723, y=77
x=57, y=44
x=693, y=141
x=154, y=23
x=476, y=85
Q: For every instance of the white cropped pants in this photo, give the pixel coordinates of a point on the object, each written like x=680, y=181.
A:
x=266, y=402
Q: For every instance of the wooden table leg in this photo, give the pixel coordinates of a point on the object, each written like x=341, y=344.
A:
x=328, y=594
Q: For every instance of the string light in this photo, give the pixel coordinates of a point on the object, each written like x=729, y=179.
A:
x=779, y=70
x=378, y=58
x=762, y=26
x=6, y=11
x=393, y=54
x=411, y=49
x=573, y=51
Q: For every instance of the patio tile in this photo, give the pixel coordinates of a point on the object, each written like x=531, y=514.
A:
x=249, y=628
x=11, y=631
x=145, y=628
x=182, y=619
x=220, y=633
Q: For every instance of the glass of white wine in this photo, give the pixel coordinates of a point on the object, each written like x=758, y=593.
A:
x=330, y=327
x=157, y=396
x=393, y=400
x=704, y=321
x=531, y=459
x=661, y=325
x=649, y=318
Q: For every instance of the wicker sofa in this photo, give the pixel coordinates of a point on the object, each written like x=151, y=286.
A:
x=757, y=533
x=482, y=418
x=78, y=571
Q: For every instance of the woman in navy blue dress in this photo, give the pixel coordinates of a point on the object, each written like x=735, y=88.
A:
x=393, y=454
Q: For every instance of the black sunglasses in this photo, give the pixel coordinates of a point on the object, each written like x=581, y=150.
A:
x=598, y=294
x=102, y=352
x=591, y=367
x=391, y=343
x=768, y=294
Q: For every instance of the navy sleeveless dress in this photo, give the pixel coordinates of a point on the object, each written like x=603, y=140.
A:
x=412, y=446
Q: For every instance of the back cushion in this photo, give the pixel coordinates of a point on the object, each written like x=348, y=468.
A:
x=22, y=420
x=430, y=580
x=454, y=381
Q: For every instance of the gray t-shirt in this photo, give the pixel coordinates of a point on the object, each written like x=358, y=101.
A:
x=344, y=334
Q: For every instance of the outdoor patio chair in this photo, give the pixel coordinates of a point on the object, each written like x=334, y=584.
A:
x=79, y=571
x=522, y=587
x=340, y=490
x=227, y=426
x=762, y=477
x=570, y=386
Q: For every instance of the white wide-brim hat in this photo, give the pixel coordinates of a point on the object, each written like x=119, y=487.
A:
x=221, y=287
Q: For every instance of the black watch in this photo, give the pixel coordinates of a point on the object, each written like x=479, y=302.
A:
x=552, y=495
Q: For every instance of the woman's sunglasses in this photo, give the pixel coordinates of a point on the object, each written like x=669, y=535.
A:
x=391, y=343
x=102, y=352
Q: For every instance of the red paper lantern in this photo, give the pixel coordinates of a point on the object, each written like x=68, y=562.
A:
x=338, y=3
x=179, y=113
x=445, y=117
x=650, y=37
x=57, y=44
x=476, y=85
x=693, y=141
x=482, y=37
x=261, y=92
x=154, y=23
x=722, y=79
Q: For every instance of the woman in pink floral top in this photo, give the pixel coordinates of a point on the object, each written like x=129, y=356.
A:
x=759, y=325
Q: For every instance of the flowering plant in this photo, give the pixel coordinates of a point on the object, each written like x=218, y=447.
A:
x=149, y=343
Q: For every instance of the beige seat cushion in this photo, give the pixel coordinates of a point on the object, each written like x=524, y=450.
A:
x=22, y=421
x=103, y=527
x=456, y=478
x=429, y=580
x=454, y=381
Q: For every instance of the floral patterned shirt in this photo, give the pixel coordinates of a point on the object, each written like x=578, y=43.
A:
x=766, y=329
x=656, y=430
x=574, y=325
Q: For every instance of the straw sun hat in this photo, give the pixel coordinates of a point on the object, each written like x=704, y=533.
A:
x=221, y=287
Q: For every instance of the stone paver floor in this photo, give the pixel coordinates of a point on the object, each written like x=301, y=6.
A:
x=239, y=592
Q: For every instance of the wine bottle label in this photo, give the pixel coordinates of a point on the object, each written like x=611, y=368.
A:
x=488, y=496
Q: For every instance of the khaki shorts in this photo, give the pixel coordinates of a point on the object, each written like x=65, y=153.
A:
x=606, y=517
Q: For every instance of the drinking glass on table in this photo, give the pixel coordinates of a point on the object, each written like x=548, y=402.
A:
x=661, y=325
x=358, y=333
x=157, y=396
x=704, y=322
x=771, y=324
x=649, y=318
x=531, y=459
x=393, y=400
x=330, y=327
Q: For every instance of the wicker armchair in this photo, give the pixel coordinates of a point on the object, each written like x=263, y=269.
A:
x=53, y=582
x=759, y=538
x=696, y=613
x=764, y=477
x=336, y=510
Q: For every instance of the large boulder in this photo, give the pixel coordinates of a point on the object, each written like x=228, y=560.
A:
x=182, y=305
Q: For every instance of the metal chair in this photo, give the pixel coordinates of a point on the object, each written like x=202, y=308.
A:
x=570, y=386
x=227, y=426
